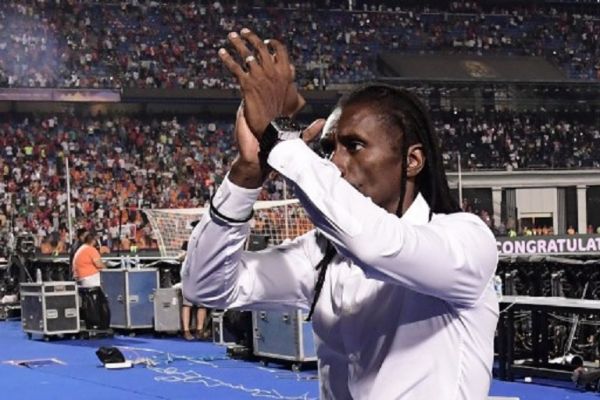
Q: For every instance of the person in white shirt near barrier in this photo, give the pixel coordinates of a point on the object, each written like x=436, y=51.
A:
x=397, y=280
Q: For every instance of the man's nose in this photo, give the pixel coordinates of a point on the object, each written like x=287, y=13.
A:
x=340, y=161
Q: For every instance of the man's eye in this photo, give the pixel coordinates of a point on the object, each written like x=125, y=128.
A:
x=353, y=147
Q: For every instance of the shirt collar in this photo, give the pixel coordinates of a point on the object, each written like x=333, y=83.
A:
x=418, y=212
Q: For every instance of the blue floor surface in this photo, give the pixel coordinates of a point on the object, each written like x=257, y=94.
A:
x=177, y=370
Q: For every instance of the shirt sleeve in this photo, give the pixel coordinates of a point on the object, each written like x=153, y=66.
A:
x=218, y=273
x=95, y=254
x=453, y=257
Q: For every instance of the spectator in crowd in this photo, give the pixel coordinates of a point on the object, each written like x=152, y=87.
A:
x=87, y=262
x=199, y=332
x=79, y=240
x=200, y=319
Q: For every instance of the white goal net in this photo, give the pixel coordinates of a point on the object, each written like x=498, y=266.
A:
x=278, y=220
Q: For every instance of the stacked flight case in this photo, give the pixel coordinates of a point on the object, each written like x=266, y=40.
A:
x=130, y=294
x=283, y=336
x=50, y=308
x=167, y=310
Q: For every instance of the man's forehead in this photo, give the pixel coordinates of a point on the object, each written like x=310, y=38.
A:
x=331, y=122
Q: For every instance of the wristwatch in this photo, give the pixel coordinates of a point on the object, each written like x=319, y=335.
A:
x=280, y=129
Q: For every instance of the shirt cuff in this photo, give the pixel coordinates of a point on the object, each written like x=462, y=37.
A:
x=233, y=201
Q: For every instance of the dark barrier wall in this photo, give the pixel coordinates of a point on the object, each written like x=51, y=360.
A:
x=468, y=67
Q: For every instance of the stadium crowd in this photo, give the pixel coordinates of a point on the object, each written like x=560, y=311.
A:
x=509, y=140
x=151, y=44
x=117, y=165
x=120, y=164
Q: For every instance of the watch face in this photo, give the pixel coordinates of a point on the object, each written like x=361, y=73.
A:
x=286, y=124
x=286, y=128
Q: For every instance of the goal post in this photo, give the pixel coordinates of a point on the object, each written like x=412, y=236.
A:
x=172, y=227
x=278, y=220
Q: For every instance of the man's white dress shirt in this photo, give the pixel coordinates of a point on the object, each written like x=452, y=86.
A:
x=407, y=310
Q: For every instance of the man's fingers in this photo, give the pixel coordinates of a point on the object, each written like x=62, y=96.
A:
x=251, y=63
x=313, y=130
x=260, y=47
x=281, y=54
x=232, y=65
x=239, y=44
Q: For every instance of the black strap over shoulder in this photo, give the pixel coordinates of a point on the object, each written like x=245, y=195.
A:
x=330, y=253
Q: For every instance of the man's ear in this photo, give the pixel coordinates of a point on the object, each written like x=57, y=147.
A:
x=415, y=160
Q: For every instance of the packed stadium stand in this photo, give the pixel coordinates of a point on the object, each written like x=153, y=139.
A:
x=120, y=164
x=174, y=44
x=123, y=161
